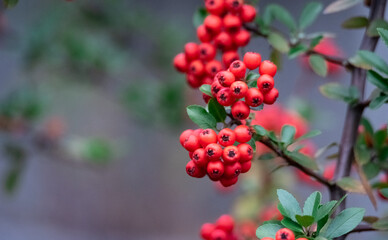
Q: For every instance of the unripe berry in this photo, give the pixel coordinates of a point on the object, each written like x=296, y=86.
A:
x=247, y=13
x=195, y=171
x=252, y=60
x=240, y=110
x=243, y=133
x=225, y=222
x=207, y=51
x=239, y=89
x=267, y=67
x=224, y=97
x=245, y=166
x=193, y=81
x=206, y=230
x=213, y=151
x=285, y=234
x=207, y=136
x=213, y=24
x=254, y=97
x=184, y=135
x=246, y=152
x=218, y=234
x=215, y=170
x=232, y=23
x=191, y=51
x=238, y=69
x=196, y=68
x=241, y=38
x=229, y=57
x=227, y=182
x=265, y=83
x=216, y=87
x=199, y=157
x=226, y=137
x=191, y=143
x=180, y=62
x=271, y=96
x=203, y=35
x=223, y=41
x=230, y=154
x=234, y=5
x=215, y=7
x=232, y=170
x=225, y=78
x=213, y=67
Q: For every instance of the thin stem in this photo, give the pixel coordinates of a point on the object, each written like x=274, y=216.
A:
x=362, y=228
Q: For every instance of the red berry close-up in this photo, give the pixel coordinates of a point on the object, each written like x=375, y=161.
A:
x=196, y=68
x=239, y=89
x=268, y=67
x=267, y=238
x=199, y=157
x=191, y=143
x=180, y=62
x=271, y=96
x=240, y=110
x=184, y=135
x=213, y=67
x=215, y=7
x=246, y=166
x=206, y=230
x=230, y=154
x=254, y=97
x=226, y=223
x=203, y=34
x=226, y=137
x=246, y=152
x=213, y=24
x=194, y=81
x=223, y=41
x=247, y=13
x=207, y=51
x=215, y=170
x=285, y=234
x=241, y=38
x=232, y=170
x=218, y=234
x=252, y=60
x=224, y=97
x=191, y=51
x=265, y=83
x=213, y=151
x=232, y=23
x=225, y=78
x=207, y=136
x=216, y=87
x=243, y=133
x=227, y=182
x=194, y=171
x=234, y=5
x=229, y=57
x=238, y=69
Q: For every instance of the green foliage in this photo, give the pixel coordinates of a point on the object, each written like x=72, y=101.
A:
x=287, y=134
x=297, y=51
x=199, y=16
x=289, y=203
x=318, y=64
x=309, y=14
x=339, y=92
x=355, y=22
x=279, y=13
x=278, y=42
x=340, y=5
x=373, y=26
x=206, y=89
x=217, y=110
x=303, y=160
x=372, y=59
x=344, y=222
x=10, y=3
x=201, y=117
x=351, y=185
x=93, y=150
x=268, y=230
x=383, y=34
x=377, y=80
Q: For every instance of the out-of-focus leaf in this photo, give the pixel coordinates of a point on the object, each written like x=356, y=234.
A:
x=278, y=42
x=206, y=89
x=381, y=224
x=378, y=101
x=260, y=130
x=315, y=41
x=318, y=64
x=373, y=60
x=10, y=3
x=309, y=14
x=374, y=25
x=297, y=50
x=303, y=160
x=383, y=34
x=279, y=13
x=351, y=185
x=199, y=16
x=340, y=5
x=268, y=230
x=377, y=80
x=287, y=134
x=339, y=92
x=355, y=22
x=276, y=58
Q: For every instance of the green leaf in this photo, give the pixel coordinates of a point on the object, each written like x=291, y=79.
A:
x=252, y=76
x=279, y=13
x=200, y=117
x=311, y=134
x=357, y=61
x=381, y=224
x=217, y=110
x=340, y=5
x=309, y=14
x=339, y=92
x=10, y=3
x=384, y=192
x=344, y=222
x=297, y=50
x=377, y=80
x=325, y=209
x=276, y=58
x=267, y=156
x=273, y=136
x=278, y=42
x=355, y=22
x=378, y=23
x=351, y=185
x=371, y=170
x=322, y=150
x=206, y=89
x=287, y=134
x=373, y=60
x=383, y=34
x=379, y=138
x=312, y=203
x=260, y=130
x=367, y=125
x=268, y=230
x=378, y=101
x=303, y=160
x=318, y=64
x=288, y=223
x=252, y=143
x=199, y=16
x=315, y=41
x=305, y=221
x=289, y=203
x=12, y=179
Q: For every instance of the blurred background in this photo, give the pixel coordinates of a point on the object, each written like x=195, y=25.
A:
x=91, y=111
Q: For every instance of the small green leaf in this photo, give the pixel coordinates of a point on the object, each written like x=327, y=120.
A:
x=367, y=125
x=325, y=209
x=276, y=58
x=311, y=134
x=371, y=170
x=383, y=34
x=206, y=89
x=10, y=3
x=279, y=13
x=217, y=110
x=312, y=203
x=309, y=14
x=351, y=185
x=373, y=60
x=201, y=117
x=322, y=150
x=378, y=101
x=268, y=230
x=297, y=50
x=344, y=222
x=318, y=64
x=273, y=137
x=379, y=138
x=199, y=16
x=287, y=134
x=278, y=42
x=291, y=206
x=267, y=156
x=252, y=76
x=357, y=61
x=315, y=41
x=305, y=221
x=283, y=211
x=378, y=23
x=252, y=143
x=381, y=224
x=303, y=160
x=339, y=92
x=260, y=130
x=377, y=80
x=340, y=5
x=12, y=179
x=355, y=22
x=288, y=223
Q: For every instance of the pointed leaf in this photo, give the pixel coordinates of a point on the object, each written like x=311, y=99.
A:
x=312, y=203
x=381, y=224
x=339, y=92
x=383, y=34
x=355, y=22
x=305, y=221
x=310, y=134
x=318, y=64
x=291, y=206
x=268, y=230
x=288, y=223
x=373, y=60
x=325, y=209
x=340, y=5
x=217, y=110
x=309, y=14
x=206, y=89
x=201, y=117
x=278, y=42
x=377, y=80
x=199, y=16
x=287, y=134
x=303, y=160
x=351, y=185
x=373, y=26
x=344, y=222
x=279, y=13
x=260, y=130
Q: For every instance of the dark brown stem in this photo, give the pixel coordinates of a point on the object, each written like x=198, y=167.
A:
x=362, y=228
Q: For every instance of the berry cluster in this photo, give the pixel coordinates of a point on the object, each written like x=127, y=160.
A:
x=222, y=229
x=230, y=87
x=284, y=234
x=222, y=161
x=221, y=29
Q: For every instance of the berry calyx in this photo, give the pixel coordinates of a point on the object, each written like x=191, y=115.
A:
x=184, y=135
x=224, y=97
x=232, y=170
x=194, y=171
x=226, y=137
x=238, y=69
x=215, y=170
x=240, y=110
x=225, y=78
x=239, y=89
x=213, y=151
x=254, y=97
x=265, y=83
x=207, y=136
x=199, y=157
x=230, y=154
x=285, y=234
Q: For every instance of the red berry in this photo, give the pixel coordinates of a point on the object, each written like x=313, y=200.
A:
x=190, y=155
x=267, y=238
x=213, y=151
x=203, y=35
x=243, y=133
x=213, y=24
x=206, y=230
x=239, y=89
x=247, y=13
x=234, y=5
x=302, y=239
x=225, y=222
x=207, y=136
x=252, y=60
x=207, y=51
x=227, y=182
x=224, y=97
x=213, y=67
x=184, y=135
x=225, y=78
x=216, y=87
x=246, y=152
x=240, y=110
x=207, y=80
x=196, y=68
x=241, y=38
x=196, y=132
x=238, y=69
x=193, y=81
x=265, y=83
x=232, y=23
x=215, y=170
x=232, y=170
x=229, y=57
x=199, y=157
x=285, y=234
x=180, y=62
x=226, y=137
x=194, y=171
x=191, y=51
x=215, y=7
x=267, y=67
x=218, y=234
x=191, y=143
x=254, y=97
x=230, y=154
x=206, y=98
x=271, y=96
x=245, y=166
x=223, y=41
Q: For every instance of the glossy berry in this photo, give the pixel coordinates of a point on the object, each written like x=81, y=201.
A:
x=239, y=89
x=223, y=41
x=207, y=136
x=213, y=67
x=267, y=67
x=216, y=87
x=203, y=35
x=245, y=166
x=213, y=151
x=238, y=69
x=196, y=132
x=252, y=60
x=215, y=170
x=265, y=83
x=254, y=97
x=227, y=182
x=224, y=97
x=234, y=5
x=184, y=135
x=199, y=157
x=232, y=23
x=230, y=154
x=207, y=80
x=196, y=68
x=285, y=234
x=246, y=152
x=218, y=234
x=215, y=7
x=232, y=170
x=193, y=81
x=243, y=133
x=213, y=24
x=194, y=171
x=180, y=62
x=241, y=38
x=247, y=13
x=207, y=51
x=225, y=78
x=191, y=51
x=271, y=96
x=225, y=222
x=191, y=143
x=240, y=110
x=226, y=137
x=229, y=57
x=206, y=230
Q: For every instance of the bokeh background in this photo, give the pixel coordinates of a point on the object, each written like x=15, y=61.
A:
x=100, y=76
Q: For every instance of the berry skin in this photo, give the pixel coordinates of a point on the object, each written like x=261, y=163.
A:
x=223, y=41
x=196, y=68
x=180, y=62
x=252, y=60
x=206, y=230
x=254, y=97
x=215, y=7
x=265, y=83
x=196, y=132
x=227, y=182
x=184, y=135
x=232, y=23
x=226, y=137
x=302, y=239
x=224, y=97
x=238, y=69
x=232, y=170
x=241, y=38
x=230, y=155
x=247, y=13
x=207, y=136
x=215, y=170
x=191, y=51
x=195, y=171
x=218, y=234
x=225, y=222
x=199, y=157
x=285, y=234
x=191, y=143
x=271, y=96
x=243, y=133
x=207, y=80
x=240, y=110
x=213, y=67
x=207, y=51
x=246, y=152
x=213, y=24
x=213, y=151
x=268, y=67
x=239, y=89
x=193, y=81
x=216, y=87
x=229, y=57
x=267, y=238
x=225, y=78
x=234, y=5
x=203, y=35
x=245, y=166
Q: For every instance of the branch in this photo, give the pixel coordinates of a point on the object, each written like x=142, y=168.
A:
x=362, y=228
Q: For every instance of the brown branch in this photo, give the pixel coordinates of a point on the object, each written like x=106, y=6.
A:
x=362, y=228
